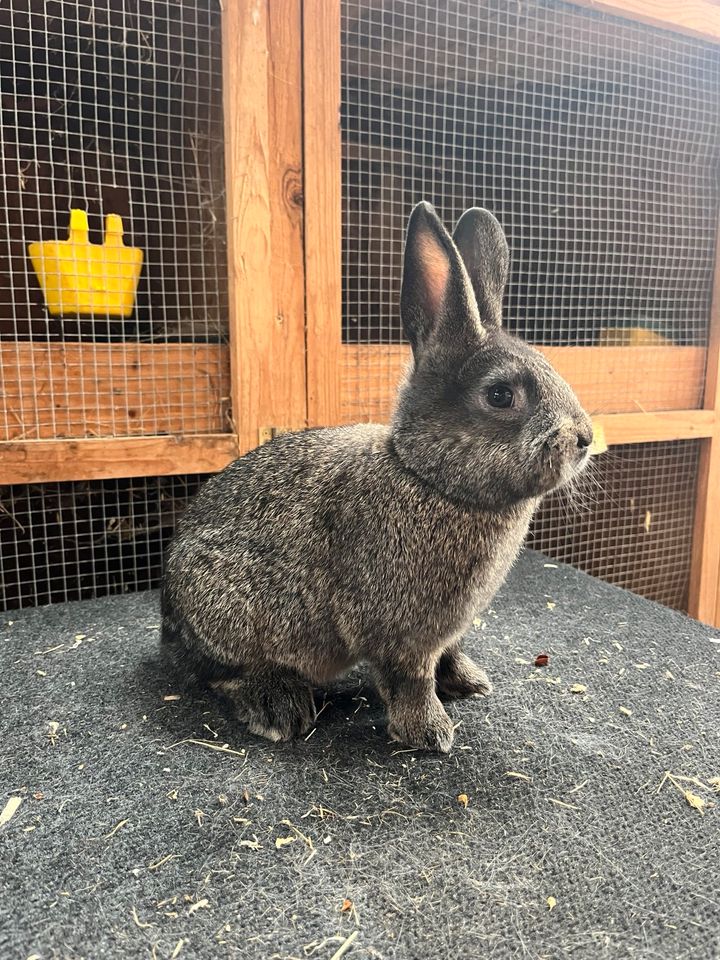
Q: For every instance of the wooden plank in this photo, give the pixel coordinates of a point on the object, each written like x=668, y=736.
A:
x=705, y=571
x=629, y=380
x=40, y=461
x=263, y=157
x=634, y=379
x=323, y=268
x=700, y=18
x=78, y=390
x=654, y=427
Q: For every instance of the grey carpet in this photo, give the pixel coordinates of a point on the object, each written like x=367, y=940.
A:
x=132, y=841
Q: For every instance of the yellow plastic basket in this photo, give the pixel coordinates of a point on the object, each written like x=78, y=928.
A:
x=80, y=277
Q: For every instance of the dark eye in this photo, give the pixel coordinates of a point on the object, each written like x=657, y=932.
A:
x=500, y=395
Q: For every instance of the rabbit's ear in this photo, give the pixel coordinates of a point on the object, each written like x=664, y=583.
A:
x=483, y=247
x=436, y=300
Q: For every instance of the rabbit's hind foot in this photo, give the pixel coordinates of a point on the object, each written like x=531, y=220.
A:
x=457, y=676
x=274, y=705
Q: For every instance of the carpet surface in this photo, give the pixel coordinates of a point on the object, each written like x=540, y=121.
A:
x=140, y=835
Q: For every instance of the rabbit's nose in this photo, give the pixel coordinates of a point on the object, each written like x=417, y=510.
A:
x=584, y=439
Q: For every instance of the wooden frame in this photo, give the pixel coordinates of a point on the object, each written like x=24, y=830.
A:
x=599, y=375
x=705, y=576
x=54, y=394
x=37, y=461
x=61, y=397
x=323, y=240
x=72, y=390
x=263, y=157
x=700, y=18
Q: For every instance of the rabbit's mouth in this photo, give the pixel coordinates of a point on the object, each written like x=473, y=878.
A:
x=560, y=461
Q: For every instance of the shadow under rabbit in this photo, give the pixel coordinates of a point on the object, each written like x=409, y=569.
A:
x=350, y=721
x=351, y=698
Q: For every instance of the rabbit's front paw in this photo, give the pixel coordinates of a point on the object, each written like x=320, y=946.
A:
x=428, y=729
x=458, y=676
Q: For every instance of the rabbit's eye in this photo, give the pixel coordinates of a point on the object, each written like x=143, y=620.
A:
x=500, y=395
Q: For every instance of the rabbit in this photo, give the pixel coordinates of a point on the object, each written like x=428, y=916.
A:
x=328, y=547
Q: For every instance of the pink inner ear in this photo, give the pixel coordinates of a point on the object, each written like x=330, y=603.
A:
x=436, y=269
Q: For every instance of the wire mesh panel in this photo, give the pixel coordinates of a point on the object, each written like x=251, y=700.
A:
x=631, y=523
x=595, y=140
x=112, y=108
x=74, y=541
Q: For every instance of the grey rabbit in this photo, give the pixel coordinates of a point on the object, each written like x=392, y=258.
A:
x=380, y=544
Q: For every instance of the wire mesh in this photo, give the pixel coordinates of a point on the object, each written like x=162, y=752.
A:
x=113, y=107
x=632, y=523
x=78, y=540
x=595, y=140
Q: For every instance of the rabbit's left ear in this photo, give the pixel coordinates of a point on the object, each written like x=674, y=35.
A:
x=437, y=304
x=484, y=250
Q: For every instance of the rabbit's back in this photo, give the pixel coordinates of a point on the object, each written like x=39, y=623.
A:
x=281, y=483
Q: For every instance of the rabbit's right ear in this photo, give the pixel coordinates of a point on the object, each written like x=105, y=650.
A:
x=436, y=301
x=484, y=249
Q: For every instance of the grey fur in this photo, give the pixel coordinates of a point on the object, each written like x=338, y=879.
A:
x=373, y=543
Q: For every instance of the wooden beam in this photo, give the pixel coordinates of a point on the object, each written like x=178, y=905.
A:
x=55, y=390
x=654, y=427
x=71, y=391
x=700, y=18
x=263, y=156
x=40, y=461
x=323, y=267
x=632, y=379
x=705, y=571
x=639, y=379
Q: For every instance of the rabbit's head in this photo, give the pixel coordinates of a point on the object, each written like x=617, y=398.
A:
x=481, y=416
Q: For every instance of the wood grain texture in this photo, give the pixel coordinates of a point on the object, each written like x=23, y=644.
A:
x=76, y=390
x=636, y=379
x=608, y=380
x=323, y=267
x=705, y=571
x=699, y=18
x=263, y=154
x=40, y=461
x=654, y=427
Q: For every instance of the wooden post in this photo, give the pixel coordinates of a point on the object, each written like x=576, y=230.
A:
x=323, y=250
x=262, y=56
x=705, y=572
